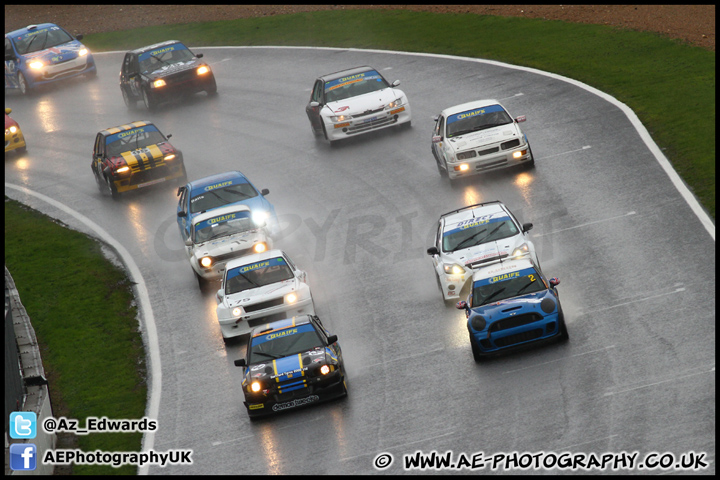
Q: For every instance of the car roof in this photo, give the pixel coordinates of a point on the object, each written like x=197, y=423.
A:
x=255, y=257
x=468, y=106
x=474, y=211
x=154, y=46
x=217, y=212
x=279, y=325
x=217, y=178
x=30, y=28
x=506, y=266
x=127, y=126
x=345, y=73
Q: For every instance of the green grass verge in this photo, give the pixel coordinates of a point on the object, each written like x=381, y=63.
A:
x=81, y=307
x=669, y=85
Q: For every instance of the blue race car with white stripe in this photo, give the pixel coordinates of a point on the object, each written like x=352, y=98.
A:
x=512, y=304
x=291, y=363
x=229, y=188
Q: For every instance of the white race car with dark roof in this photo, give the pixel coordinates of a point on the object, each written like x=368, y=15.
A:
x=474, y=236
x=478, y=137
x=260, y=289
x=355, y=101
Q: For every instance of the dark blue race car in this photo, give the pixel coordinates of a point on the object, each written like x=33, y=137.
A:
x=229, y=188
x=511, y=305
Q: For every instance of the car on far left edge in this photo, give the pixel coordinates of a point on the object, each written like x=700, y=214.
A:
x=42, y=54
x=132, y=156
x=14, y=139
x=163, y=71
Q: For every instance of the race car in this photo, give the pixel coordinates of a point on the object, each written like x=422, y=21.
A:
x=355, y=101
x=44, y=53
x=511, y=305
x=229, y=188
x=163, y=71
x=260, y=288
x=478, y=137
x=220, y=235
x=472, y=236
x=14, y=139
x=132, y=156
x=291, y=363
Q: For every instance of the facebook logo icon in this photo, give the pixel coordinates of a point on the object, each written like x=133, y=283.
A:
x=23, y=456
x=23, y=425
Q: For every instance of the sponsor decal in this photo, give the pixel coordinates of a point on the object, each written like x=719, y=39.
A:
x=289, y=374
x=341, y=82
x=473, y=223
x=473, y=113
x=316, y=352
x=257, y=367
x=160, y=51
x=255, y=406
x=282, y=333
x=126, y=133
x=397, y=110
x=503, y=277
x=295, y=403
x=487, y=255
x=254, y=266
x=342, y=109
x=218, y=185
x=223, y=218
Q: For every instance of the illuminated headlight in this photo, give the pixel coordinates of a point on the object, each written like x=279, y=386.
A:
x=255, y=386
x=82, y=52
x=341, y=118
x=259, y=217
x=461, y=168
x=36, y=65
x=259, y=247
x=159, y=83
x=123, y=169
x=290, y=298
x=203, y=70
x=206, y=262
x=454, y=269
x=521, y=250
x=237, y=311
x=12, y=129
x=519, y=153
x=395, y=103
x=325, y=369
x=464, y=155
x=169, y=157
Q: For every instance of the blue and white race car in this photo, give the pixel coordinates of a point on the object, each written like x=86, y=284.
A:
x=44, y=53
x=512, y=304
x=229, y=188
x=473, y=236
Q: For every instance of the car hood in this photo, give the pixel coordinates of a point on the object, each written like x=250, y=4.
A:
x=362, y=103
x=285, y=368
x=485, y=252
x=173, y=68
x=57, y=54
x=490, y=136
x=260, y=294
x=231, y=243
x=529, y=303
x=147, y=157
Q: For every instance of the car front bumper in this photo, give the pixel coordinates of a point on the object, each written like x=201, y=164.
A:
x=14, y=140
x=488, y=163
x=544, y=329
x=234, y=327
x=152, y=176
x=368, y=123
x=60, y=71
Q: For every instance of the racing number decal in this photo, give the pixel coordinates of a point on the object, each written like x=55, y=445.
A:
x=532, y=278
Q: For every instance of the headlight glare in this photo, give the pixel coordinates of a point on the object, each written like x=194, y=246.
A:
x=159, y=83
x=203, y=70
x=454, y=269
x=169, y=157
x=290, y=298
x=206, y=262
x=36, y=65
x=325, y=369
x=259, y=217
x=13, y=129
x=255, y=386
x=259, y=247
x=237, y=311
x=82, y=52
x=521, y=250
x=341, y=118
x=123, y=169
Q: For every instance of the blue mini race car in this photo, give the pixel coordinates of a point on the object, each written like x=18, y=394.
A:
x=229, y=188
x=511, y=305
x=45, y=53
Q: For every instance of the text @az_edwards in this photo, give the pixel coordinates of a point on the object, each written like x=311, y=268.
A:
x=98, y=425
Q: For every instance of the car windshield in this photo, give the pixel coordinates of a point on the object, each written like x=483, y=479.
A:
x=37, y=40
x=506, y=285
x=354, y=85
x=164, y=56
x=477, y=231
x=133, y=139
x=223, y=225
x=217, y=197
x=476, y=120
x=257, y=274
x=283, y=343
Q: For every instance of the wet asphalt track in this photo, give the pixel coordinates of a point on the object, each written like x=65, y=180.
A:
x=636, y=266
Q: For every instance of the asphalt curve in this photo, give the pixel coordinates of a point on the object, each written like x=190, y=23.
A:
x=636, y=266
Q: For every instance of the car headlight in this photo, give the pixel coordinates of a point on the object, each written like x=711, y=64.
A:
x=36, y=64
x=341, y=118
x=159, y=83
x=169, y=157
x=255, y=386
x=477, y=322
x=453, y=268
x=82, y=52
x=291, y=298
x=521, y=250
x=237, y=311
x=206, y=262
x=325, y=369
x=259, y=247
x=464, y=155
x=123, y=169
x=519, y=153
x=203, y=70
x=13, y=129
x=260, y=217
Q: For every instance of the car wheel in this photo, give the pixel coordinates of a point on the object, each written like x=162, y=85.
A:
x=202, y=283
x=22, y=149
x=212, y=88
x=149, y=101
x=531, y=163
x=22, y=83
x=564, y=335
x=92, y=74
x=111, y=188
x=477, y=354
x=443, y=173
x=331, y=142
x=130, y=102
x=100, y=184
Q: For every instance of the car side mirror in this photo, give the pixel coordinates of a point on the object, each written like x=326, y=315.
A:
x=264, y=191
x=220, y=294
x=436, y=139
x=526, y=227
x=240, y=362
x=314, y=104
x=332, y=339
x=554, y=281
x=461, y=305
x=181, y=213
x=199, y=55
x=79, y=37
x=433, y=251
x=396, y=83
x=188, y=242
x=8, y=111
x=519, y=119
